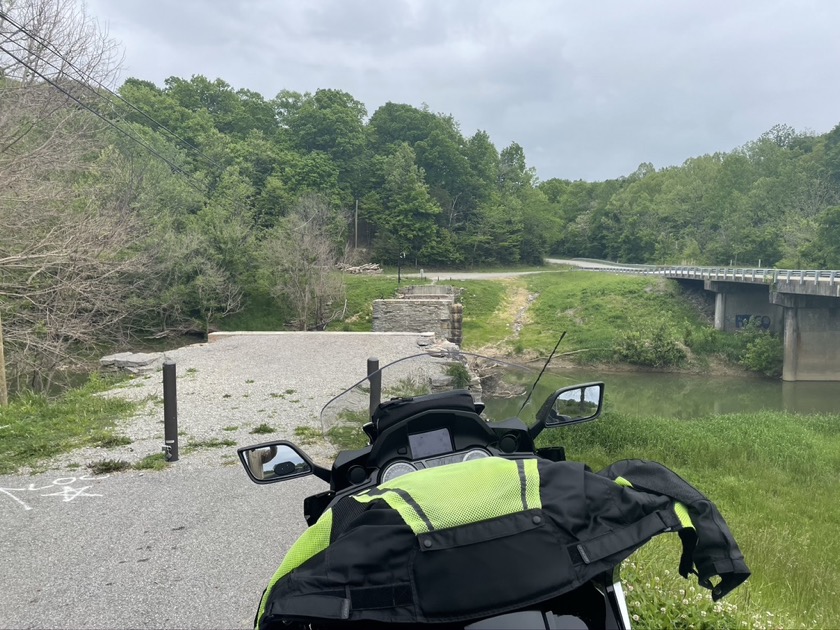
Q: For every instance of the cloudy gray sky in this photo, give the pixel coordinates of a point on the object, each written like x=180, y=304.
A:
x=590, y=88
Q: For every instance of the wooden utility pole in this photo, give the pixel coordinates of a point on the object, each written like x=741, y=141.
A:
x=4, y=397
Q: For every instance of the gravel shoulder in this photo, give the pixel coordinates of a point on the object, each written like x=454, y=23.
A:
x=229, y=387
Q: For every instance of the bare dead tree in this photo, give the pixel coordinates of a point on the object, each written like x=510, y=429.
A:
x=301, y=255
x=67, y=249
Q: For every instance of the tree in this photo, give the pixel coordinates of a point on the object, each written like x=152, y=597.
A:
x=405, y=221
x=299, y=257
x=66, y=252
x=332, y=122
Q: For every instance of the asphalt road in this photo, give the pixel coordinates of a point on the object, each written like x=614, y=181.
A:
x=173, y=549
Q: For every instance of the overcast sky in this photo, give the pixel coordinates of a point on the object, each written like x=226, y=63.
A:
x=589, y=88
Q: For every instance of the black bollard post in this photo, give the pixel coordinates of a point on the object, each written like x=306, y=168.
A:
x=170, y=412
x=375, y=383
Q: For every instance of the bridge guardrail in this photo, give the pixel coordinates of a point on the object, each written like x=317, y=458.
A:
x=731, y=274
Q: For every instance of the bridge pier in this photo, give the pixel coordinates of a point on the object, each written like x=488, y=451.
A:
x=736, y=304
x=812, y=336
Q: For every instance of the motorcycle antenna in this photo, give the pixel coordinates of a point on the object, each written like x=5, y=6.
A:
x=534, y=386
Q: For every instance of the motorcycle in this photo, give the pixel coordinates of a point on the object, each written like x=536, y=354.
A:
x=446, y=418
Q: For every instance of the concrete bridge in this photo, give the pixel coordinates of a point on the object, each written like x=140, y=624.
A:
x=803, y=305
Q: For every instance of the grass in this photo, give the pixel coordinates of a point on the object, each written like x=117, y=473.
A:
x=262, y=429
x=36, y=427
x=774, y=477
x=108, y=439
x=348, y=434
x=596, y=309
x=152, y=462
x=211, y=443
x=482, y=300
x=361, y=292
x=106, y=466
x=307, y=435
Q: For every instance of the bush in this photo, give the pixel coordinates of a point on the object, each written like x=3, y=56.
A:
x=654, y=346
x=765, y=354
x=460, y=375
x=703, y=340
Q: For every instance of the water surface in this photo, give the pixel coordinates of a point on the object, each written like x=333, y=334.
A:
x=691, y=396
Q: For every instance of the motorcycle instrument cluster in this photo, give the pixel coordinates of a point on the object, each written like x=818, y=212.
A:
x=400, y=468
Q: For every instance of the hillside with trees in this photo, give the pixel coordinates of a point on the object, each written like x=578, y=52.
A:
x=156, y=210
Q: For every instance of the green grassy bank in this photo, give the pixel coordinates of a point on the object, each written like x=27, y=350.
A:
x=774, y=477
x=34, y=427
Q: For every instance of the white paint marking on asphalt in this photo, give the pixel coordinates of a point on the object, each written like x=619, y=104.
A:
x=65, y=485
x=14, y=498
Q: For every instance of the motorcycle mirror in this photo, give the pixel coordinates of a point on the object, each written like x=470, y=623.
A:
x=577, y=404
x=275, y=461
x=570, y=405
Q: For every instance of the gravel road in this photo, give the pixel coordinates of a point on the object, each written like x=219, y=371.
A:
x=192, y=546
x=229, y=387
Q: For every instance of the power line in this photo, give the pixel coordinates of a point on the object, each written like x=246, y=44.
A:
x=98, y=115
x=87, y=79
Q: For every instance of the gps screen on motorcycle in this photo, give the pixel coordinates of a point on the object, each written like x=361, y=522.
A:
x=430, y=443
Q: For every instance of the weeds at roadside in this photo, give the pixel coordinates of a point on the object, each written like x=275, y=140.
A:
x=106, y=466
x=207, y=444
x=155, y=461
x=211, y=443
x=261, y=429
x=110, y=440
x=230, y=428
x=307, y=435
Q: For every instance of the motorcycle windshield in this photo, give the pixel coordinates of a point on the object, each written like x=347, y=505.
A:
x=502, y=386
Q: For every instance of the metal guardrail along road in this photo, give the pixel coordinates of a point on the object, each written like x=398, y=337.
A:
x=728, y=274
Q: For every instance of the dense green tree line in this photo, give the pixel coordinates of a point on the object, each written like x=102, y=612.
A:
x=221, y=198
x=442, y=198
x=773, y=201
x=422, y=188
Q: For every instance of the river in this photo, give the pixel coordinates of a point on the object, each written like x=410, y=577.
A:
x=691, y=396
